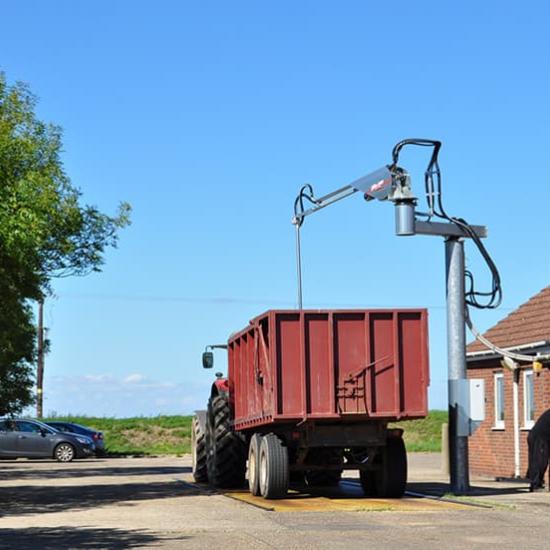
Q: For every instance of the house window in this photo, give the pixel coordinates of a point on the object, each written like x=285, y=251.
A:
x=528, y=399
x=499, y=401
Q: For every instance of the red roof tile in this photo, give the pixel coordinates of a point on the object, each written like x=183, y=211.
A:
x=528, y=324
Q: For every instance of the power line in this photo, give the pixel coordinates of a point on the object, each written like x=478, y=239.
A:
x=224, y=300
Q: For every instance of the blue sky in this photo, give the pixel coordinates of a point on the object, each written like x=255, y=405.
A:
x=208, y=116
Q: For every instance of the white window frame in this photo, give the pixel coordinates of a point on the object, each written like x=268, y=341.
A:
x=498, y=424
x=527, y=422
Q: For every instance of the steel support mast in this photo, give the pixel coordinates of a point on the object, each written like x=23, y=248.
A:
x=456, y=361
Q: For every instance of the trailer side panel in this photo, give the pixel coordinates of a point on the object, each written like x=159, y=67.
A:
x=329, y=365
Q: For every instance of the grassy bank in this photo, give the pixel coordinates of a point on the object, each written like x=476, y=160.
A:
x=141, y=435
x=423, y=435
x=171, y=434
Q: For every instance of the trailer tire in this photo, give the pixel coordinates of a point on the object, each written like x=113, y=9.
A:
x=368, y=482
x=297, y=477
x=254, y=464
x=323, y=478
x=198, y=452
x=226, y=449
x=329, y=477
x=391, y=479
x=273, y=467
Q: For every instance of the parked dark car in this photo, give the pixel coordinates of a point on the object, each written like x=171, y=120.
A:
x=22, y=438
x=72, y=428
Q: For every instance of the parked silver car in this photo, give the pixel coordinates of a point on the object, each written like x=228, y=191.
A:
x=22, y=438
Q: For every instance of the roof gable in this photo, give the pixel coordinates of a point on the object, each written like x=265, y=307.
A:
x=527, y=324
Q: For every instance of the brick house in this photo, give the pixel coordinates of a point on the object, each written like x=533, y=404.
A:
x=513, y=400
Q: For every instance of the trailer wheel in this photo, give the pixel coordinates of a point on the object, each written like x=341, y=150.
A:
x=226, y=450
x=368, y=482
x=391, y=480
x=325, y=478
x=273, y=467
x=254, y=464
x=297, y=477
x=198, y=452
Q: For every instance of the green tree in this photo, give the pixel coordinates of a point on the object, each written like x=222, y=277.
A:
x=45, y=232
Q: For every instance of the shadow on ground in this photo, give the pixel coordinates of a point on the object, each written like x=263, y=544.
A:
x=440, y=489
x=71, y=537
x=351, y=488
x=15, y=473
x=35, y=499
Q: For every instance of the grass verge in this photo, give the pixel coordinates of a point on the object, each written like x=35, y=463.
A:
x=159, y=435
x=423, y=435
x=171, y=435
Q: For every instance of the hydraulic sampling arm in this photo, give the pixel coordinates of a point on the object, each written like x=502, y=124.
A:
x=392, y=183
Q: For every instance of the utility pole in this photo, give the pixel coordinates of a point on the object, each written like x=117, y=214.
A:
x=40, y=362
x=456, y=351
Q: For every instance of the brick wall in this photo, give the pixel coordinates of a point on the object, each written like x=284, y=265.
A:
x=491, y=451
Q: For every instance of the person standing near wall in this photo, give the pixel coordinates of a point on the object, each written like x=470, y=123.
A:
x=538, y=441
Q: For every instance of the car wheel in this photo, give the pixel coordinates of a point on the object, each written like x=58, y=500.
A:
x=64, y=452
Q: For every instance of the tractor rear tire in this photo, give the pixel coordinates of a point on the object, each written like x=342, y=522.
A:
x=198, y=452
x=273, y=467
x=391, y=479
x=254, y=464
x=226, y=449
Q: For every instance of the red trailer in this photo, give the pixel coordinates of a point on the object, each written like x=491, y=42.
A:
x=309, y=394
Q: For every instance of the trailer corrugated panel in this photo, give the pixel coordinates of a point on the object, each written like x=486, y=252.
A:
x=330, y=365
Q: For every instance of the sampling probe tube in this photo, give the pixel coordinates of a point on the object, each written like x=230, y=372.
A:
x=299, y=265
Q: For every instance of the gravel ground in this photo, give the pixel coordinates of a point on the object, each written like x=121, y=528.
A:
x=151, y=502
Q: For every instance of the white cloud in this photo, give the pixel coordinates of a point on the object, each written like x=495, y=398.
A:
x=97, y=377
x=136, y=377
x=130, y=395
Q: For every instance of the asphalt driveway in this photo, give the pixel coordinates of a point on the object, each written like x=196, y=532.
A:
x=152, y=502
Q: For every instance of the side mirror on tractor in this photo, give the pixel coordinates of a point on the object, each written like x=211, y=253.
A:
x=207, y=360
